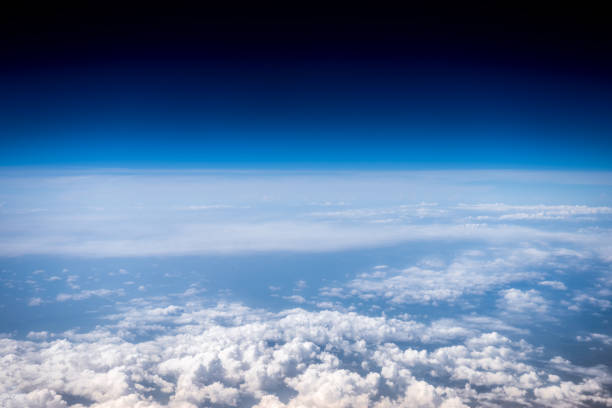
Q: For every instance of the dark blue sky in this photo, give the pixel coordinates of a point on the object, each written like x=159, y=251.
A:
x=186, y=89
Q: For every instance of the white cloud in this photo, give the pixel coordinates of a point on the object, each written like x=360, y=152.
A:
x=286, y=235
x=583, y=298
x=35, y=301
x=86, y=294
x=40, y=335
x=603, y=338
x=205, y=207
x=553, y=284
x=295, y=298
x=40, y=398
x=235, y=356
x=433, y=281
x=279, y=222
x=522, y=301
x=70, y=281
x=569, y=394
x=538, y=212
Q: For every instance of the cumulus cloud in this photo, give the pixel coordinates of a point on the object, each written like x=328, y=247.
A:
x=40, y=335
x=569, y=394
x=522, y=301
x=598, y=337
x=586, y=299
x=40, y=398
x=433, y=281
x=295, y=298
x=231, y=355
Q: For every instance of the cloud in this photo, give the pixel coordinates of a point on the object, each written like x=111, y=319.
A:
x=538, y=212
x=431, y=281
x=569, y=394
x=100, y=240
x=522, y=301
x=41, y=398
x=396, y=213
x=35, y=301
x=86, y=294
x=271, y=212
x=192, y=355
x=553, y=284
x=583, y=298
x=205, y=207
x=295, y=298
x=599, y=337
x=70, y=281
x=232, y=355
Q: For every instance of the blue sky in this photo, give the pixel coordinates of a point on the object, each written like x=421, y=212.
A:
x=371, y=119
x=416, y=91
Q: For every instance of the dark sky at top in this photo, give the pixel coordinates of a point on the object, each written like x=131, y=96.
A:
x=444, y=87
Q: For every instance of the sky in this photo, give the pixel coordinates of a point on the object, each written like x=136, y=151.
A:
x=453, y=89
x=284, y=210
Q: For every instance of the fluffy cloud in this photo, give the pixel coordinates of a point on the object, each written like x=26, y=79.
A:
x=230, y=355
x=583, y=298
x=603, y=338
x=40, y=398
x=522, y=301
x=472, y=272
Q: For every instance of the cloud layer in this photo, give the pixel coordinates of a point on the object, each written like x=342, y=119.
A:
x=230, y=355
x=450, y=301
x=140, y=213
